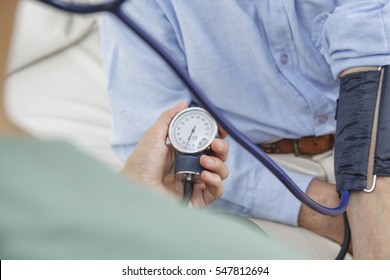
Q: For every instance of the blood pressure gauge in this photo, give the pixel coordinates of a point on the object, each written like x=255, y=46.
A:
x=191, y=132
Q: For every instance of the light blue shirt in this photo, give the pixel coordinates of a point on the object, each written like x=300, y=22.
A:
x=270, y=66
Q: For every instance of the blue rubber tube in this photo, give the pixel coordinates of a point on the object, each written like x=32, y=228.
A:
x=200, y=97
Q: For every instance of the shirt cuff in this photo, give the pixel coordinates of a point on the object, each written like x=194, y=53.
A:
x=355, y=34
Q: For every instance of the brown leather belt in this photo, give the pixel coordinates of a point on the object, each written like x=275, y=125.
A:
x=305, y=146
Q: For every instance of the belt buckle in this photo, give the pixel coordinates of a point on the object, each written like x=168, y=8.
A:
x=269, y=148
x=295, y=144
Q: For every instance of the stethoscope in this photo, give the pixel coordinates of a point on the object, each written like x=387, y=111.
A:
x=114, y=7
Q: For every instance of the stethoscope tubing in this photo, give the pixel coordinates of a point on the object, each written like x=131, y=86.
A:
x=200, y=97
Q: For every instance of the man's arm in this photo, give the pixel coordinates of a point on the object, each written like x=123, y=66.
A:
x=330, y=227
x=364, y=27
x=369, y=213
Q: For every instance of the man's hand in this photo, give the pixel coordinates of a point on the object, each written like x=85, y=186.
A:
x=152, y=163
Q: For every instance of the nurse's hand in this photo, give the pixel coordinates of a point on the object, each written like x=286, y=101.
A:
x=152, y=163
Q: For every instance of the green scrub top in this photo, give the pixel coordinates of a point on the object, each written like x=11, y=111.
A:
x=58, y=203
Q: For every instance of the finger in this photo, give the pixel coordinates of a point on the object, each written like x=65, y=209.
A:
x=214, y=187
x=220, y=148
x=215, y=165
x=222, y=132
x=207, y=191
x=197, y=199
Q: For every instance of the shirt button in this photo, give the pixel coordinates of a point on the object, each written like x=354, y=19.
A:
x=283, y=58
x=323, y=118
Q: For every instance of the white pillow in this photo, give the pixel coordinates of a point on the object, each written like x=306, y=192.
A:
x=56, y=86
x=41, y=30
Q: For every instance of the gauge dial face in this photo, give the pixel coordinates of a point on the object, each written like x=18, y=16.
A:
x=192, y=130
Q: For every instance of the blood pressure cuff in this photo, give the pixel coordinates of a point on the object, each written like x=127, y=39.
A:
x=357, y=112
x=382, y=152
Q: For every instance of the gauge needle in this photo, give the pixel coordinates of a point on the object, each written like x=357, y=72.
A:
x=189, y=137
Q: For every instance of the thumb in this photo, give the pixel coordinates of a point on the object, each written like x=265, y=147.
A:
x=162, y=123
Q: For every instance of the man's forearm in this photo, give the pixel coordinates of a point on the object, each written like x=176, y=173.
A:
x=330, y=227
x=363, y=153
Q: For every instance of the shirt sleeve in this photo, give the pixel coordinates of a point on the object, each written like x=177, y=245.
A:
x=141, y=86
x=355, y=34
